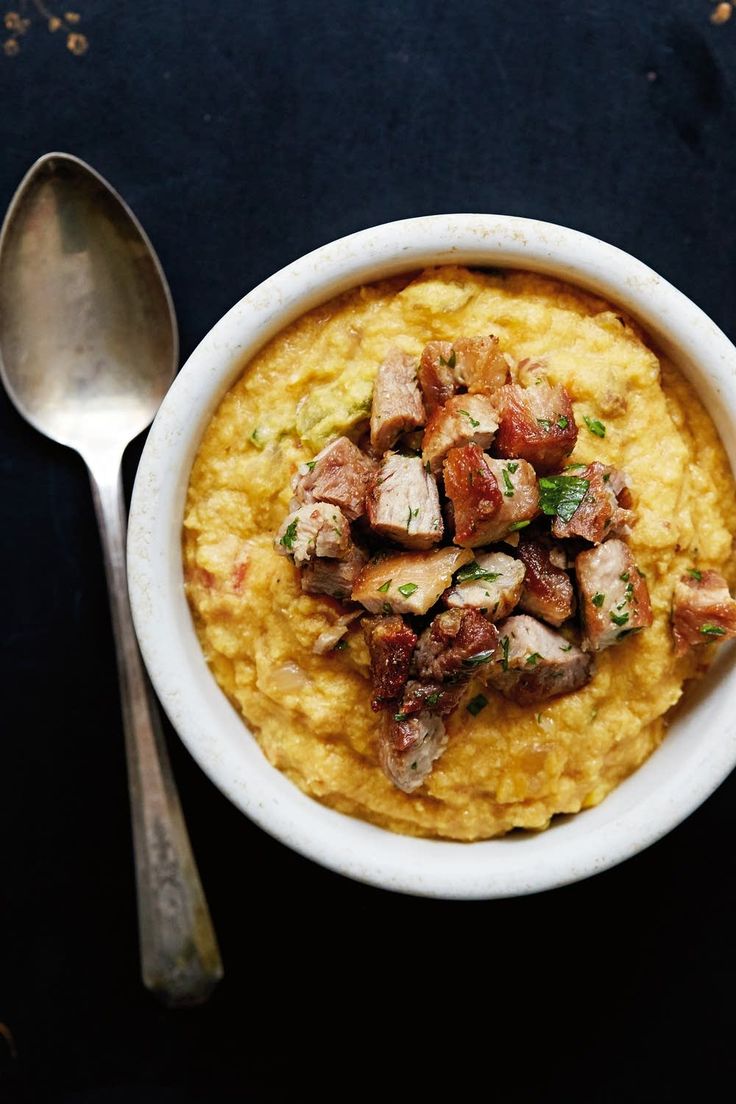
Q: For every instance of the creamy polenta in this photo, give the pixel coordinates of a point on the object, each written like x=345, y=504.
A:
x=508, y=766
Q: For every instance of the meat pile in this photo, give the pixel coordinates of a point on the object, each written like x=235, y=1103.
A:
x=461, y=460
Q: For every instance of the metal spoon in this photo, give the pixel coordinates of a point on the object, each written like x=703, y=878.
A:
x=88, y=347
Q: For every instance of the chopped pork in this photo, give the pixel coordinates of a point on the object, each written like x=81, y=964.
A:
x=603, y=512
x=492, y=583
x=317, y=529
x=613, y=595
x=333, y=577
x=403, y=503
x=536, y=424
x=474, y=494
x=703, y=611
x=391, y=645
x=480, y=365
x=408, y=747
x=397, y=403
x=409, y=582
x=339, y=474
x=533, y=662
x=463, y=420
x=548, y=591
x=437, y=377
x=434, y=697
x=517, y=482
x=455, y=646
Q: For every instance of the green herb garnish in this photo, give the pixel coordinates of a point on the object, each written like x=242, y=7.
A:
x=407, y=589
x=400, y=716
x=562, y=422
x=624, y=576
x=383, y=589
x=476, y=704
x=512, y=466
x=597, y=600
x=697, y=575
x=533, y=659
x=340, y=646
x=432, y=699
x=619, y=618
x=478, y=659
x=505, y=653
x=471, y=419
x=712, y=630
x=509, y=492
x=518, y=525
x=562, y=494
x=545, y=423
x=387, y=609
x=290, y=535
x=311, y=464
x=597, y=428
x=450, y=362
x=475, y=571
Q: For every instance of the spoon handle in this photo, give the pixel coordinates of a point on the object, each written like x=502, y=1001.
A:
x=180, y=959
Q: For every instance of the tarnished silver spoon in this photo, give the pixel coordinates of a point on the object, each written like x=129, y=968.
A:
x=88, y=347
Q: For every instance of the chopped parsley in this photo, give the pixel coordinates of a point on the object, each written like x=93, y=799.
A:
x=597, y=599
x=427, y=467
x=712, y=630
x=519, y=525
x=697, y=575
x=311, y=464
x=290, y=535
x=562, y=494
x=387, y=608
x=414, y=766
x=619, y=618
x=450, y=362
x=432, y=699
x=565, y=647
x=562, y=422
x=412, y=514
x=533, y=659
x=624, y=576
x=475, y=571
x=596, y=428
x=509, y=492
x=545, y=423
x=512, y=466
x=505, y=653
x=572, y=467
x=340, y=646
x=473, y=421
x=383, y=589
x=478, y=659
x=476, y=704
x=407, y=589
x=400, y=716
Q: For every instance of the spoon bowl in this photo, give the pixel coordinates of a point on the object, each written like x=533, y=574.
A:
x=88, y=343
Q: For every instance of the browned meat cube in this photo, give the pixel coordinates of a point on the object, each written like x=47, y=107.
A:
x=391, y=645
x=492, y=583
x=533, y=662
x=480, y=365
x=703, y=611
x=536, y=424
x=613, y=595
x=463, y=420
x=473, y=493
x=403, y=504
x=434, y=697
x=340, y=474
x=601, y=514
x=455, y=646
x=548, y=591
x=397, y=404
x=408, y=582
x=437, y=377
x=517, y=482
x=317, y=529
x=333, y=577
x=408, y=748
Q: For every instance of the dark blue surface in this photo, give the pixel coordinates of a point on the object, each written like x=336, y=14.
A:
x=243, y=135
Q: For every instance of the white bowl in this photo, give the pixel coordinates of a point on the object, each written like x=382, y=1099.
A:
x=700, y=748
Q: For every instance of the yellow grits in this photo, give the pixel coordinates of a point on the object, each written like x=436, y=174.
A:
x=510, y=766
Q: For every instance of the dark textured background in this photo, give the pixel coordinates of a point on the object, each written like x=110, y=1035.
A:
x=245, y=133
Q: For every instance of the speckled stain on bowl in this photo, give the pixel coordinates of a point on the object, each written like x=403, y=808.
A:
x=700, y=748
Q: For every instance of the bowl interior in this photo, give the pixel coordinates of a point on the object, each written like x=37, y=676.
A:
x=700, y=748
